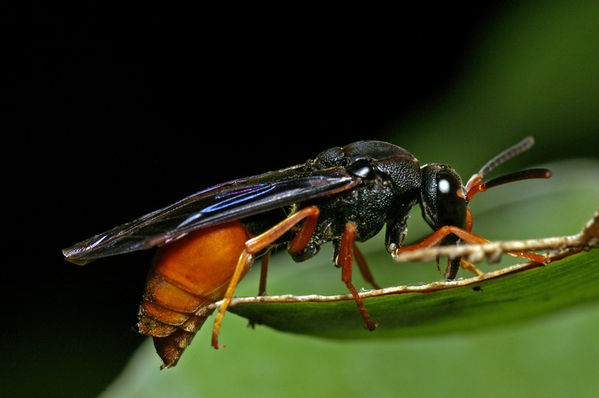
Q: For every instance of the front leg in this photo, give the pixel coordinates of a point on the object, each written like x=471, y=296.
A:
x=438, y=236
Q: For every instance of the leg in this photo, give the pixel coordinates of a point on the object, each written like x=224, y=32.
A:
x=245, y=260
x=304, y=235
x=263, y=273
x=364, y=269
x=262, y=285
x=436, y=237
x=454, y=265
x=468, y=266
x=255, y=245
x=345, y=260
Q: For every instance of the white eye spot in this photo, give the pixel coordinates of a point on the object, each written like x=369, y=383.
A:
x=443, y=186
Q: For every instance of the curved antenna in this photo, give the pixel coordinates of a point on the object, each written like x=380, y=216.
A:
x=504, y=179
x=474, y=184
x=504, y=156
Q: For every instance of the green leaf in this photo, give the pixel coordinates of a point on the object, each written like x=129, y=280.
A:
x=508, y=213
x=532, y=72
x=510, y=298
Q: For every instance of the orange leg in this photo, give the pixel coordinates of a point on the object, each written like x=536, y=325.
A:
x=537, y=258
x=468, y=226
x=257, y=244
x=245, y=260
x=468, y=266
x=263, y=274
x=345, y=260
x=451, y=272
x=436, y=237
x=364, y=269
x=304, y=235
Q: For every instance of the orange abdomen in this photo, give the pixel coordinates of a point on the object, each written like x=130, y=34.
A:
x=186, y=276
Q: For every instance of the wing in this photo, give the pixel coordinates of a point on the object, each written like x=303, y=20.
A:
x=225, y=202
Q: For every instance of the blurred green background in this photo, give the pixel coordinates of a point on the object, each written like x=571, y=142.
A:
x=535, y=71
x=526, y=68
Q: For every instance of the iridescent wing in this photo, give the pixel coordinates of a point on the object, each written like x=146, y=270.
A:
x=225, y=202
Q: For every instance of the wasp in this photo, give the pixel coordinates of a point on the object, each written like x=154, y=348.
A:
x=209, y=240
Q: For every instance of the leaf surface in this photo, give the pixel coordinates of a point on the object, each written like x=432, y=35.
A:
x=509, y=298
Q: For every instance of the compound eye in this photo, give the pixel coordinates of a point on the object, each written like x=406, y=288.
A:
x=441, y=204
x=447, y=183
x=444, y=186
x=450, y=206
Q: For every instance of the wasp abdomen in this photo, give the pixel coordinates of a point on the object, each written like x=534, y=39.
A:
x=186, y=276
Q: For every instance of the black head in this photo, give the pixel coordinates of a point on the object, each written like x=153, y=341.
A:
x=442, y=196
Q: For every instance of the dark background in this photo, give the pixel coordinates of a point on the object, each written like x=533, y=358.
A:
x=115, y=111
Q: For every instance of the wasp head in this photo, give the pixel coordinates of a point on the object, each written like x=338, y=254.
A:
x=442, y=197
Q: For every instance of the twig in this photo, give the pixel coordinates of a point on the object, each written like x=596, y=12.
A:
x=586, y=239
x=427, y=288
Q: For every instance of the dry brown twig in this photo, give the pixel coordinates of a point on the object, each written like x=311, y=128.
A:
x=586, y=239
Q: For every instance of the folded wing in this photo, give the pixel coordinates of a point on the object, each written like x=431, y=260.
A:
x=225, y=202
